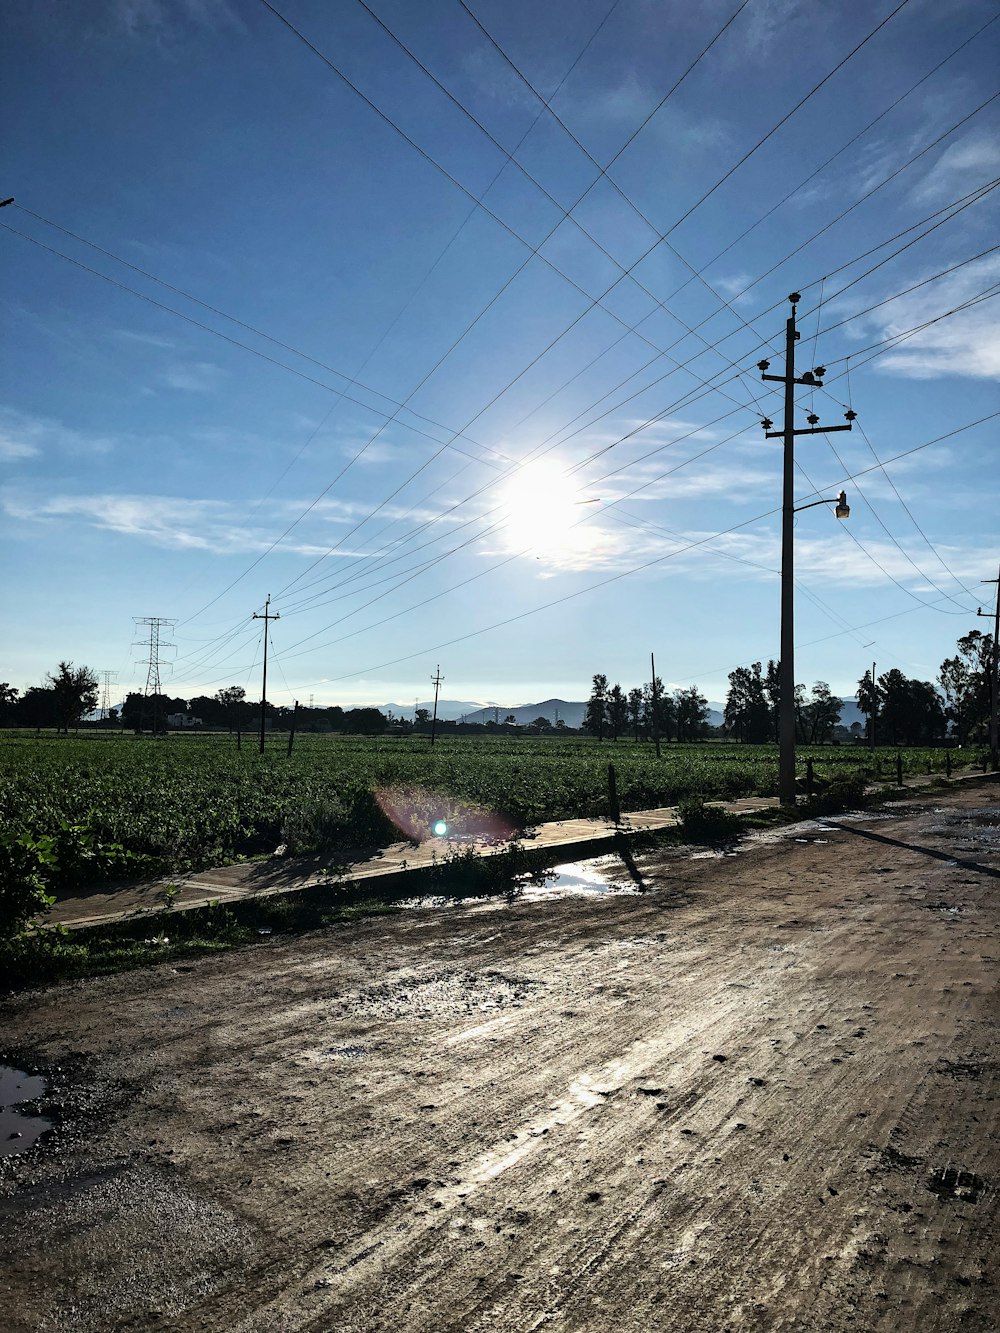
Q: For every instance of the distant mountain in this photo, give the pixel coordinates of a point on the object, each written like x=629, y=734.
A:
x=570, y=711
x=450, y=710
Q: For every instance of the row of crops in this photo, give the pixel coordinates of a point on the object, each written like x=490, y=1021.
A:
x=102, y=807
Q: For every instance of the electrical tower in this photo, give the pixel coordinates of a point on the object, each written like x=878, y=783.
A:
x=156, y=645
x=108, y=678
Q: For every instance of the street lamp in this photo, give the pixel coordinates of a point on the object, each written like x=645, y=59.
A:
x=843, y=509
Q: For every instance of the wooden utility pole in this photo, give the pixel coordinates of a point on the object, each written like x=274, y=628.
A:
x=267, y=616
x=994, y=676
x=872, y=715
x=291, y=729
x=786, y=667
x=436, y=682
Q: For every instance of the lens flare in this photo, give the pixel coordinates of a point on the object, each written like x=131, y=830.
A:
x=440, y=829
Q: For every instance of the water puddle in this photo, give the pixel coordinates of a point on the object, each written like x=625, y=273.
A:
x=19, y=1131
x=576, y=879
x=599, y=875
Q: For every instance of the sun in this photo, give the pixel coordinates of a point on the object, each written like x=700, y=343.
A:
x=544, y=512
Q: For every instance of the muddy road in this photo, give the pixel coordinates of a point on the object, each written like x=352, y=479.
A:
x=761, y=1095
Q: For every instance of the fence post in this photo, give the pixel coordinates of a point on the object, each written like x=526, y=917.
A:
x=809, y=776
x=947, y=763
x=239, y=739
x=291, y=729
x=899, y=768
x=615, y=812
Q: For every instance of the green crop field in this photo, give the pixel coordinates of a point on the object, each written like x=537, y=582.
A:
x=100, y=807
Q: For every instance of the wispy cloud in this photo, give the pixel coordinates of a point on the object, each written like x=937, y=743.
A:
x=965, y=344
x=191, y=376
x=23, y=435
x=970, y=161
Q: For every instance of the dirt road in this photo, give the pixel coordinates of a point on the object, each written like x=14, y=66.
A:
x=761, y=1095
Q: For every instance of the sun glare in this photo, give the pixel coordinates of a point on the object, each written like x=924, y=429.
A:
x=544, y=513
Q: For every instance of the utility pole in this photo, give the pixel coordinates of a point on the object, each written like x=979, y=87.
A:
x=994, y=676
x=436, y=682
x=871, y=720
x=786, y=678
x=156, y=646
x=267, y=616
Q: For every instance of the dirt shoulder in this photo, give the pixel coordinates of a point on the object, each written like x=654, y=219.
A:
x=761, y=1095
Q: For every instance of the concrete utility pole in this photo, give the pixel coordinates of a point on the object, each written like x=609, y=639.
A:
x=786, y=688
x=266, y=615
x=436, y=682
x=994, y=676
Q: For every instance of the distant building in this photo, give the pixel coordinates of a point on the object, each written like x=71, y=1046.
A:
x=183, y=720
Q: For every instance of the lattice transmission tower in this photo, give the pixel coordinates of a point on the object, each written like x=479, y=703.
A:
x=108, y=678
x=157, y=645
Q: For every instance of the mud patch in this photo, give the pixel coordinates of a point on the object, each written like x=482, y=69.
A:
x=447, y=991
x=962, y=1186
x=120, y=1234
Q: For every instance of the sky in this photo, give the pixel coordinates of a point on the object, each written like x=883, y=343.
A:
x=438, y=324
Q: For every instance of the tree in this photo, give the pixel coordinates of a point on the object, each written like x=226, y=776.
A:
x=772, y=692
x=75, y=692
x=822, y=713
x=596, y=715
x=659, y=712
x=692, y=713
x=36, y=707
x=868, y=700
x=542, y=724
x=365, y=721
x=8, y=702
x=422, y=716
x=510, y=720
x=747, y=713
x=965, y=679
x=912, y=711
x=617, y=711
x=232, y=699
x=635, y=712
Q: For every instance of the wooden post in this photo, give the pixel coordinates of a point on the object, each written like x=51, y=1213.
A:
x=291, y=729
x=809, y=776
x=239, y=738
x=947, y=763
x=616, y=814
x=899, y=768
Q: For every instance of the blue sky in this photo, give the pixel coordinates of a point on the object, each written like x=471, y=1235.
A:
x=428, y=384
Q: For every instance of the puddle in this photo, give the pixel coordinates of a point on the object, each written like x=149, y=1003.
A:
x=19, y=1131
x=598, y=875
x=345, y=1052
x=576, y=878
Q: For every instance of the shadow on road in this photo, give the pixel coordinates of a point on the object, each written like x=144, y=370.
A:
x=913, y=847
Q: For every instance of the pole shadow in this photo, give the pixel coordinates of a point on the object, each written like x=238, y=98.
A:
x=913, y=847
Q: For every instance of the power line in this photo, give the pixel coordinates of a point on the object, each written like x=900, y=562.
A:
x=645, y=565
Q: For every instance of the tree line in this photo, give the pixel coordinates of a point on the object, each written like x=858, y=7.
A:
x=899, y=710
x=645, y=712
